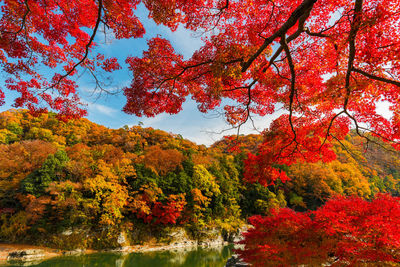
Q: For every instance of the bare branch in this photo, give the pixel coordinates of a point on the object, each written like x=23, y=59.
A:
x=329, y=127
x=377, y=78
x=316, y=34
x=352, y=47
x=225, y=6
x=292, y=84
x=288, y=40
x=184, y=69
x=98, y=21
x=25, y=16
x=301, y=13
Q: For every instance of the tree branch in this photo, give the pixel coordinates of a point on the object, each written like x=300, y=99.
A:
x=292, y=84
x=329, y=128
x=377, y=78
x=23, y=20
x=98, y=21
x=300, y=13
x=352, y=48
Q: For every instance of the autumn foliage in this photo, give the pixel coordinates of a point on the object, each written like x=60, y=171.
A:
x=58, y=175
x=326, y=63
x=345, y=231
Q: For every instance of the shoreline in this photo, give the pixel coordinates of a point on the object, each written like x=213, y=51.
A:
x=6, y=249
x=31, y=253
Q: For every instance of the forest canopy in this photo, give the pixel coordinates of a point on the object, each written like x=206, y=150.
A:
x=58, y=175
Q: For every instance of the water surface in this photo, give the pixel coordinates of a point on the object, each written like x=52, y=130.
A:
x=215, y=257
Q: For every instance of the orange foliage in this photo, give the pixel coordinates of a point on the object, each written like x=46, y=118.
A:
x=162, y=161
x=20, y=159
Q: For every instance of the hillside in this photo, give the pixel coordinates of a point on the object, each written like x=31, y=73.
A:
x=56, y=176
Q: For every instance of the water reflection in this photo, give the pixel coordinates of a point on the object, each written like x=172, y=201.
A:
x=215, y=257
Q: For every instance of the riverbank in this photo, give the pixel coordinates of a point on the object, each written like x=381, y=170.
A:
x=12, y=249
x=196, y=257
x=27, y=253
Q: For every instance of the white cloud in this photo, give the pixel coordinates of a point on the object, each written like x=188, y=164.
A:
x=99, y=108
x=203, y=128
x=383, y=108
x=184, y=41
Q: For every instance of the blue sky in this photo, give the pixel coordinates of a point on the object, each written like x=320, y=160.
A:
x=106, y=109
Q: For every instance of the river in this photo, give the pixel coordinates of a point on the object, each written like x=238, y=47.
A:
x=200, y=257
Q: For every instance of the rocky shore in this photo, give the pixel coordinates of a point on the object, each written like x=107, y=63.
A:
x=23, y=253
x=10, y=253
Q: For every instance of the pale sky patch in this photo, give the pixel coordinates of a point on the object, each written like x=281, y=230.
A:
x=184, y=41
x=203, y=128
x=383, y=108
x=99, y=108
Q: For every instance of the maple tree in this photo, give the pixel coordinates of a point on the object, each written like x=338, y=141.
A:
x=343, y=232
x=327, y=62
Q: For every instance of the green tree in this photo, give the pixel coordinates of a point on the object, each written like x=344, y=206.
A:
x=51, y=170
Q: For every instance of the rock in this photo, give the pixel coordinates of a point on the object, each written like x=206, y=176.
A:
x=231, y=262
x=121, y=239
x=26, y=255
x=179, y=235
x=235, y=237
x=235, y=261
x=185, y=245
x=67, y=232
x=215, y=242
x=75, y=252
x=120, y=250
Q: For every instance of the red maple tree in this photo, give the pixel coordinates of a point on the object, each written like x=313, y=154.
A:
x=343, y=232
x=327, y=62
